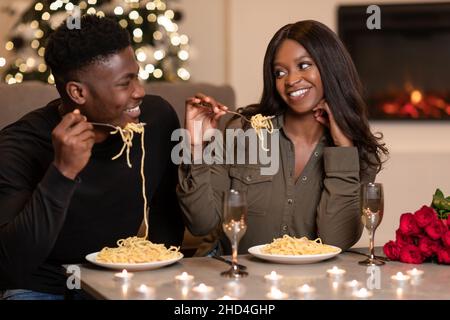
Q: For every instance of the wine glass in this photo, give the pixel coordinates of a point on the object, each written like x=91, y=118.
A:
x=234, y=225
x=372, y=209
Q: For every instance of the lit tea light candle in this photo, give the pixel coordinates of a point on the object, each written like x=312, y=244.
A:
x=415, y=273
x=362, y=293
x=234, y=289
x=273, y=277
x=305, y=291
x=184, y=279
x=202, y=290
x=145, y=291
x=123, y=276
x=225, y=297
x=335, y=272
x=276, y=294
x=400, y=278
x=353, y=284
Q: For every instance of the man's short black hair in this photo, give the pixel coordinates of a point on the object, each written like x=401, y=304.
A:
x=69, y=50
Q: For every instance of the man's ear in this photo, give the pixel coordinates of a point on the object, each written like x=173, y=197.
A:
x=77, y=92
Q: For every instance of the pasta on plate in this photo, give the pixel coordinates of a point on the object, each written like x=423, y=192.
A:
x=288, y=245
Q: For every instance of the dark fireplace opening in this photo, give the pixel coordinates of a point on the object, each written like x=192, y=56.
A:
x=404, y=65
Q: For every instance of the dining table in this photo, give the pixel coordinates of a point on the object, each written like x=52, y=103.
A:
x=338, y=278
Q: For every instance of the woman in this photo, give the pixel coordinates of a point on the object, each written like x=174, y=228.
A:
x=326, y=148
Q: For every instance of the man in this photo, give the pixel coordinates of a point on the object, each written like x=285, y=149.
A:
x=61, y=195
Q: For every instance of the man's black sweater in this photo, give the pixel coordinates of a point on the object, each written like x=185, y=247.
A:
x=47, y=220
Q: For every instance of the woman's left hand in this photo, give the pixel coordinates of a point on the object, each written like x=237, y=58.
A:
x=323, y=114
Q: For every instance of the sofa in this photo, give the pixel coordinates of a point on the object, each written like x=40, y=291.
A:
x=18, y=99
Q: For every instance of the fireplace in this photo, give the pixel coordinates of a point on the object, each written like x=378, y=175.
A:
x=404, y=65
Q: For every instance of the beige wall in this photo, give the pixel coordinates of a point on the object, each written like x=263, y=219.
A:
x=228, y=40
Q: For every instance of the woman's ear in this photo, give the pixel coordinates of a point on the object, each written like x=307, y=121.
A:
x=76, y=92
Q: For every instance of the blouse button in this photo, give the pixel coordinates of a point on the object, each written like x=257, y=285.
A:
x=248, y=178
x=304, y=178
x=316, y=153
x=290, y=201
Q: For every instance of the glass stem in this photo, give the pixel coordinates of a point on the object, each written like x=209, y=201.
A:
x=371, y=244
x=234, y=254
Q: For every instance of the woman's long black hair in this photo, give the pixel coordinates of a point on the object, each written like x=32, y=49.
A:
x=341, y=84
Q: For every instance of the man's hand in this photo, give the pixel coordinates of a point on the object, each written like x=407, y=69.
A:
x=72, y=139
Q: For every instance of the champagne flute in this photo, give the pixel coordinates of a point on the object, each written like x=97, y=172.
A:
x=234, y=225
x=372, y=210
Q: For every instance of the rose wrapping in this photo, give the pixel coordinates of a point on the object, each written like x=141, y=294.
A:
x=422, y=236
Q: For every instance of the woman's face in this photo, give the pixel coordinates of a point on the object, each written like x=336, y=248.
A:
x=297, y=77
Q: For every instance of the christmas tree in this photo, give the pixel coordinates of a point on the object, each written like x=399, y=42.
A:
x=160, y=49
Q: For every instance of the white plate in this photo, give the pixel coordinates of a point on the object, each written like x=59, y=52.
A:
x=92, y=257
x=292, y=259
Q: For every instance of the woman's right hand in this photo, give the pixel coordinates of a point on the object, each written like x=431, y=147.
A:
x=202, y=113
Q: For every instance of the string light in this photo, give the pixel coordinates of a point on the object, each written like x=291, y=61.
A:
x=184, y=39
x=157, y=73
x=82, y=5
x=39, y=34
x=9, y=45
x=157, y=35
x=183, y=74
x=132, y=12
x=159, y=54
x=133, y=15
x=42, y=67
x=175, y=40
x=45, y=16
x=69, y=6
x=35, y=44
x=138, y=32
x=118, y=11
x=150, y=6
x=51, y=79
x=123, y=23
x=41, y=51
x=183, y=55
x=38, y=6
x=151, y=17
x=34, y=24
x=139, y=20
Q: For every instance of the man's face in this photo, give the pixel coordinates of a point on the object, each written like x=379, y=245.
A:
x=114, y=92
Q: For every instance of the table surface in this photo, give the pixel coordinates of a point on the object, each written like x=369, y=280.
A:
x=434, y=283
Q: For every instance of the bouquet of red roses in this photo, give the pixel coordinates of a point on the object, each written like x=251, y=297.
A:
x=424, y=235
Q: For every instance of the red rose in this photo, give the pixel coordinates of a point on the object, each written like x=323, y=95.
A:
x=427, y=246
x=443, y=255
x=411, y=254
x=424, y=216
x=448, y=221
x=391, y=250
x=408, y=225
x=436, y=229
x=401, y=239
x=446, y=239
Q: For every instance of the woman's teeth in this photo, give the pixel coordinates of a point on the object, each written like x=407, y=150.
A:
x=298, y=92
